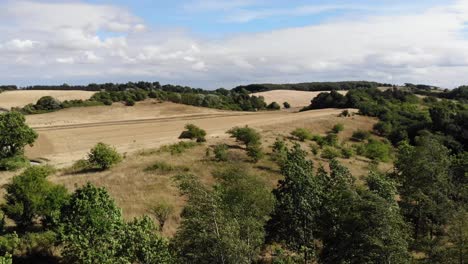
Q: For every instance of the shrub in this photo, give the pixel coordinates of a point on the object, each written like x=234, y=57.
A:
x=193, y=132
x=377, y=150
x=330, y=153
x=279, y=151
x=246, y=135
x=162, y=211
x=346, y=152
x=360, y=135
x=221, y=152
x=103, y=156
x=80, y=166
x=274, y=106
x=301, y=134
x=286, y=105
x=314, y=149
x=165, y=167
x=383, y=128
x=255, y=152
x=331, y=139
x=337, y=128
x=48, y=103
x=345, y=113
x=13, y=163
x=178, y=148
x=130, y=102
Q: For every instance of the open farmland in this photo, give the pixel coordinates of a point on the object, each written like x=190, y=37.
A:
x=294, y=98
x=20, y=98
x=66, y=136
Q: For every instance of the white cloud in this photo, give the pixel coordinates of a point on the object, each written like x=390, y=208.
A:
x=71, y=41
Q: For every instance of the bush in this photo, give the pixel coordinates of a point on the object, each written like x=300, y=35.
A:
x=345, y=113
x=48, y=103
x=377, y=150
x=162, y=211
x=280, y=151
x=337, y=128
x=246, y=135
x=331, y=139
x=178, y=148
x=330, y=153
x=165, y=167
x=274, y=106
x=13, y=163
x=360, y=135
x=255, y=152
x=103, y=156
x=130, y=102
x=383, y=128
x=286, y=105
x=301, y=134
x=346, y=153
x=314, y=149
x=193, y=132
x=221, y=152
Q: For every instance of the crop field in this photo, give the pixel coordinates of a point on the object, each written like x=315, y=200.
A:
x=294, y=98
x=9, y=99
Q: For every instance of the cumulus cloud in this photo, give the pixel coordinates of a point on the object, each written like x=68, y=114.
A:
x=89, y=42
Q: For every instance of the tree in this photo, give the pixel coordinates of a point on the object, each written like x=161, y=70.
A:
x=89, y=223
x=274, y=106
x=48, y=103
x=162, y=211
x=103, y=156
x=246, y=135
x=286, y=105
x=15, y=134
x=225, y=224
x=424, y=187
x=298, y=201
x=193, y=132
x=31, y=197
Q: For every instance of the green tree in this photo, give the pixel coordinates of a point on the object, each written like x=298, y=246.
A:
x=424, y=186
x=162, y=211
x=274, y=106
x=15, y=134
x=89, y=224
x=31, y=197
x=193, y=132
x=225, y=224
x=298, y=201
x=48, y=103
x=103, y=156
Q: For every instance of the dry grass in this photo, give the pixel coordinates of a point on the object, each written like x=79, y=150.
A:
x=294, y=98
x=9, y=99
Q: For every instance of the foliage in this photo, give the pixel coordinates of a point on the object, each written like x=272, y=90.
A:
x=178, y=148
x=377, y=150
x=337, y=128
x=246, y=135
x=31, y=197
x=15, y=134
x=13, y=163
x=302, y=134
x=103, y=156
x=279, y=151
x=225, y=224
x=274, y=106
x=255, y=152
x=297, y=204
x=48, y=103
x=221, y=152
x=360, y=135
x=162, y=211
x=164, y=167
x=193, y=132
x=286, y=105
x=330, y=153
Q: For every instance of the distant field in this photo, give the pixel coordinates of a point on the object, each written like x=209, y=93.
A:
x=294, y=98
x=21, y=98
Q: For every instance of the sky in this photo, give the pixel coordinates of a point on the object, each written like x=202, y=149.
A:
x=225, y=43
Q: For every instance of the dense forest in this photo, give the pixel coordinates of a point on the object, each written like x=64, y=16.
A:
x=414, y=213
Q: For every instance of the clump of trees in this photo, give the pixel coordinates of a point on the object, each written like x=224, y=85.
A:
x=193, y=132
x=15, y=134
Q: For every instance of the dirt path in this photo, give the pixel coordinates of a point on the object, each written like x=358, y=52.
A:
x=63, y=144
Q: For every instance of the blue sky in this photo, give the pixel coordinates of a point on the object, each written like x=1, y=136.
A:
x=224, y=43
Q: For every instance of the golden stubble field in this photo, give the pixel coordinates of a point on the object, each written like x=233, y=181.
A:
x=20, y=98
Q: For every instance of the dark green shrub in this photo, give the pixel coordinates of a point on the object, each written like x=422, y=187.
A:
x=274, y=106
x=48, y=103
x=383, y=128
x=103, y=156
x=246, y=135
x=301, y=134
x=345, y=113
x=130, y=102
x=331, y=139
x=377, y=150
x=286, y=105
x=255, y=152
x=193, y=132
x=221, y=152
x=360, y=135
x=314, y=149
x=346, y=152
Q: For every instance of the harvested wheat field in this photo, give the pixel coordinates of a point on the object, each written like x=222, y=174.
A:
x=294, y=98
x=66, y=136
x=20, y=98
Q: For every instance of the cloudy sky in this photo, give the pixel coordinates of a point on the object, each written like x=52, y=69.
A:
x=223, y=43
